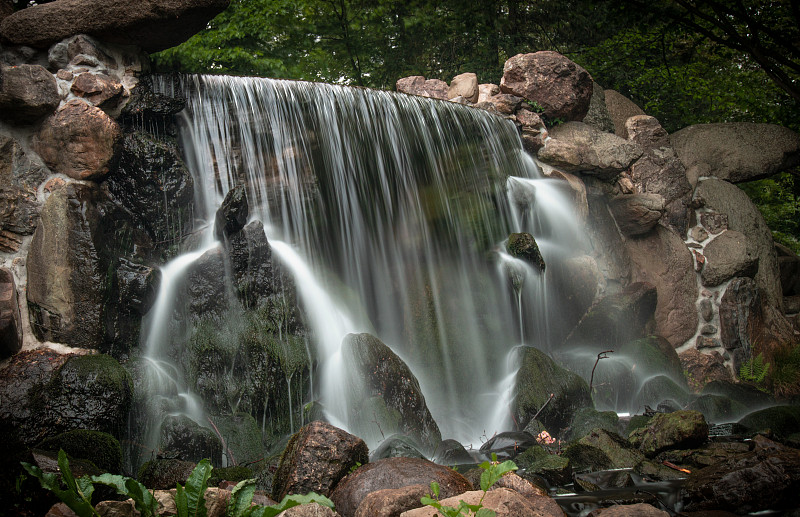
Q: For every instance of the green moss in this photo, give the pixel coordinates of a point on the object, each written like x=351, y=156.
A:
x=100, y=448
x=586, y=457
x=102, y=369
x=587, y=419
x=637, y=422
x=234, y=474
x=781, y=420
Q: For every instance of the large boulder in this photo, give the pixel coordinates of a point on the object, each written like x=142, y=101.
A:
x=27, y=93
x=21, y=173
x=382, y=374
x=659, y=171
x=393, y=473
x=577, y=147
x=598, y=116
x=391, y=502
x=152, y=25
x=66, y=276
x=80, y=141
x=418, y=85
x=232, y=214
x=743, y=216
x=562, y=88
x=678, y=430
x=317, y=457
x=621, y=108
x=545, y=388
x=10, y=322
x=736, y=151
x=503, y=502
x=702, y=368
x=464, y=85
x=636, y=214
x=728, y=255
x=152, y=182
x=661, y=258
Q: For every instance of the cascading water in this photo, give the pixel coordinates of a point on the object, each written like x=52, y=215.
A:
x=391, y=212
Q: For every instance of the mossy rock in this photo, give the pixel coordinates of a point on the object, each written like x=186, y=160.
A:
x=658, y=389
x=637, y=422
x=538, y=377
x=233, y=474
x=587, y=419
x=555, y=469
x=679, y=430
x=654, y=355
x=396, y=446
x=586, y=457
x=242, y=436
x=620, y=453
x=185, y=439
x=717, y=408
x=164, y=474
x=783, y=421
x=100, y=448
x=743, y=393
x=523, y=246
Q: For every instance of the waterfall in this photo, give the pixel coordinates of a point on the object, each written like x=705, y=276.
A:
x=390, y=212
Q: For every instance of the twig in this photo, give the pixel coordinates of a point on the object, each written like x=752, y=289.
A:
x=383, y=437
x=221, y=439
x=601, y=355
x=552, y=395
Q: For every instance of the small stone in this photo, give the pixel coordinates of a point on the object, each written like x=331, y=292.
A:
x=464, y=85
x=698, y=233
x=708, y=330
x=707, y=342
x=706, y=309
x=699, y=260
x=714, y=222
x=64, y=75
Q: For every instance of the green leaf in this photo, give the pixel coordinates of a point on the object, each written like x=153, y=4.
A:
x=241, y=497
x=181, y=501
x=143, y=500
x=435, y=489
x=491, y=472
x=85, y=487
x=485, y=512
x=70, y=497
x=195, y=490
x=66, y=473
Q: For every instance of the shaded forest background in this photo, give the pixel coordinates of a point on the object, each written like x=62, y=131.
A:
x=684, y=62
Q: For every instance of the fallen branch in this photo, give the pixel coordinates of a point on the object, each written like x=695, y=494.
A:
x=601, y=355
x=552, y=396
x=222, y=440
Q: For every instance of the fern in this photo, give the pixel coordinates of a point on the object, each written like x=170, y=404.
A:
x=754, y=370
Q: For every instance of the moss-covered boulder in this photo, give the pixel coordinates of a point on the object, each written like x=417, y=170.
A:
x=396, y=446
x=183, y=438
x=587, y=419
x=659, y=389
x=653, y=355
x=100, y=448
x=584, y=457
x=379, y=372
x=232, y=474
x=679, y=430
x=536, y=461
x=619, y=452
x=523, y=246
x=783, y=421
x=539, y=377
x=718, y=408
x=164, y=474
x=242, y=435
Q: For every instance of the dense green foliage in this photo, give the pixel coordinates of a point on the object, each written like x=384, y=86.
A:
x=685, y=62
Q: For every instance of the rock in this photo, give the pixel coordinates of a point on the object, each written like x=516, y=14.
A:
x=451, y=452
x=717, y=408
x=184, y=439
x=782, y=421
x=562, y=88
x=661, y=258
x=100, y=448
x=508, y=105
x=117, y=508
x=629, y=510
x=736, y=151
x=153, y=183
x=146, y=105
x=133, y=292
x=513, y=482
x=162, y=474
x=486, y=91
x=152, y=25
x=66, y=277
x=678, y=430
x=10, y=322
x=309, y=510
x=257, y=277
x=27, y=94
x=702, y=368
x=576, y=147
x=650, y=356
x=391, y=502
x=394, y=473
x=583, y=282
x=657, y=390
x=21, y=173
x=539, y=377
x=706, y=309
x=417, y=85
x=620, y=108
x=99, y=89
x=746, y=394
x=523, y=246
x=766, y=478
x=728, y=255
x=585, y=457
x=615, y=319
x=598, y=116
x=396, y=446
x=464, y=85
x=381, y=373
x=618, y=451
x=78, y=50
x=206, y=288
x=233, y=213
x=698, y=233
x=789, y=265
x=739, y=316
x=660, y=171
x=637, y=214
x=316, y=458
x=504, y=502
x=508, y=444
x=79, y=140
x=553, y=468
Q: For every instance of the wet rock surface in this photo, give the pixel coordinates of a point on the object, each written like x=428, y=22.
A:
x=10, y=322
x=27, y=93
x=678, y=430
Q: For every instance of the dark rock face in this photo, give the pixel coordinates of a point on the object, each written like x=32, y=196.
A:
x=146, y=105
x=538, y=377
x=617, y=318
x=233, y=213
x=80, y=141
x=394, y=473
x=739, y=312
x=164, y=474
x=133, y=291
x=99, y=89
x=10, y=324
x=257, y=278
x=66, y=278
x=27, y=93
x=206, y=286
x=183, y=438
x=678, y=430
x=766, y=478
x=385, y=375
x=152, y=25
x=703, y=368
x=20, y=175
x=561, y=87
x=153, y=183
x=637, y=214
x=316, y=458
x=417, y=85
x=727, y=256
x=523, y=246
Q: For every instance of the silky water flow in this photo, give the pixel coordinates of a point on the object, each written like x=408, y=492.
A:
x=390, y=212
